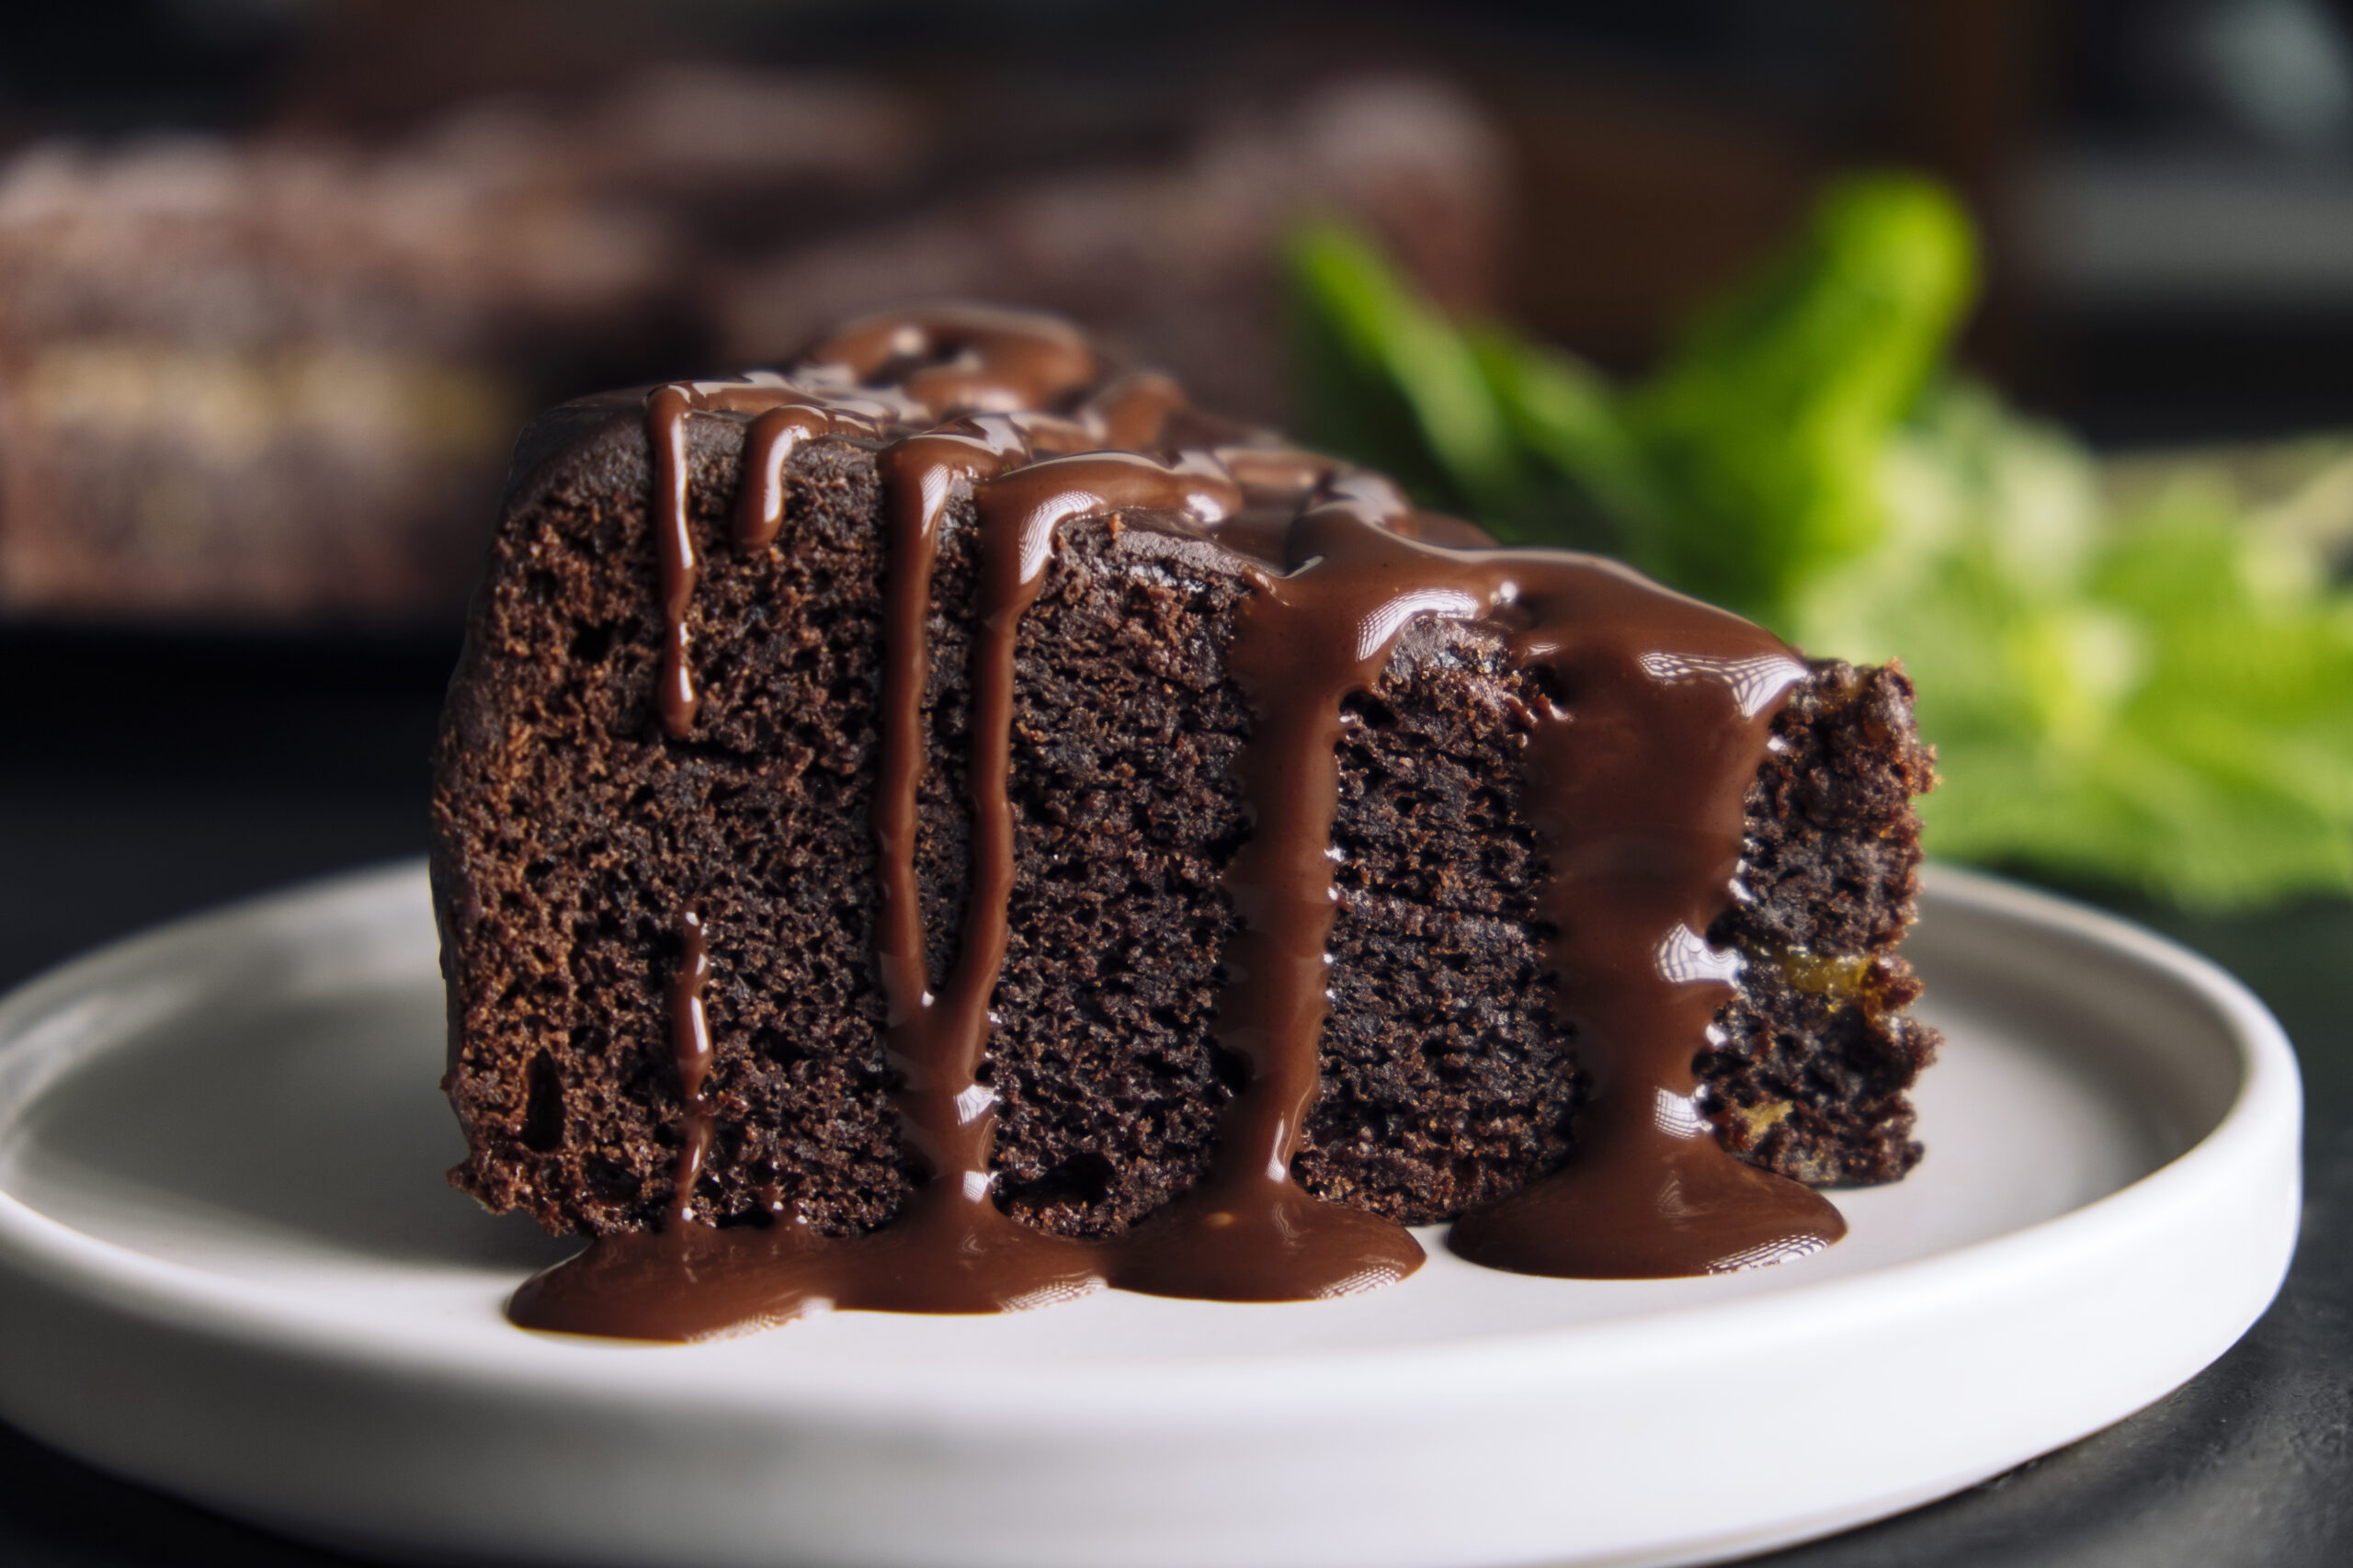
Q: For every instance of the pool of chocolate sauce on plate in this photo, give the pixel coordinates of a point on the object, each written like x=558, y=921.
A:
x=1636, y=776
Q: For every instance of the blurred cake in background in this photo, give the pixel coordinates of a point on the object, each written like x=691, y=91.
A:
x=271, y=380
x=267, y=380
x=274, y=380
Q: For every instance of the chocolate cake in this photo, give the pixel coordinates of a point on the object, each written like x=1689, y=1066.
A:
x=949, y=825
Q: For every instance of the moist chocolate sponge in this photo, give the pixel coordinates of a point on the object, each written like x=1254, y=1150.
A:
x=570, y=833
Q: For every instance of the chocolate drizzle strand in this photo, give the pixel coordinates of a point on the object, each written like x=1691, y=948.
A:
x=1658, y=715
x=690, y=1051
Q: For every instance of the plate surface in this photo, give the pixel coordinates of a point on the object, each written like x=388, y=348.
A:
x=229, y=1268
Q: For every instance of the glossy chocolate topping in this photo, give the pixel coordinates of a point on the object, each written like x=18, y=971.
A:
x=1637, y=767
x=690, y=1053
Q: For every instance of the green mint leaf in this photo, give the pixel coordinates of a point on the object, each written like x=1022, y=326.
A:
x=1389, y=381
x=1765, y=429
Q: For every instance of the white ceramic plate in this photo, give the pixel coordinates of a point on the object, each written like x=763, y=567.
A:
x=229, y=1268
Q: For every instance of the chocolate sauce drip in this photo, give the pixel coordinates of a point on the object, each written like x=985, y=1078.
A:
x=1134, y=410
x=1641, y=765
x=774, y=436
x=666, y=422
x=1637, y=774
x=977, y=1260
x=966, y=358
x=1305, y=642
x=690, y=1050
x=787, y=415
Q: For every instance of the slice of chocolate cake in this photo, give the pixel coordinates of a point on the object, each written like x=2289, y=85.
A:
x=947, y=826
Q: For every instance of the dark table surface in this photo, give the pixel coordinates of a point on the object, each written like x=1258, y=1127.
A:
x=141, y=780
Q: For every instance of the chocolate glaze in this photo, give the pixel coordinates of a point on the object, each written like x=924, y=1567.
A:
x=1637, y=769
x=690, y=1051
x=1643, y=758
x=769, y=445
x=665, y=426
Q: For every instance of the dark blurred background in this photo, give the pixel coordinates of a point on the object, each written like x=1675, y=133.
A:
x=278, y=278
